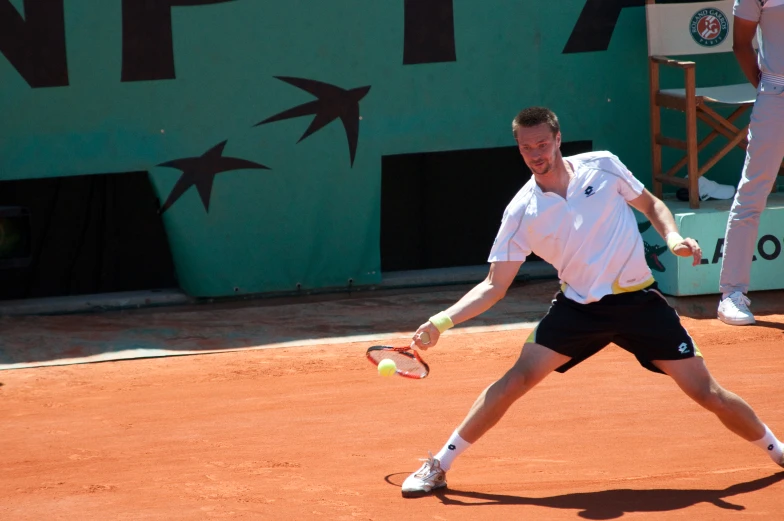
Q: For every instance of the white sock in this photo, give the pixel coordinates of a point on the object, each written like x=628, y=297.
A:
x=453, y=448
x=771, y=445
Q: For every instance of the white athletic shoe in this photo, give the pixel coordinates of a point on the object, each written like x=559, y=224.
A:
x=713, y=190
x=734, y=310
x=429, y=477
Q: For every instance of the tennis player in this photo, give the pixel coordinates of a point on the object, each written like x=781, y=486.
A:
x=575, y=213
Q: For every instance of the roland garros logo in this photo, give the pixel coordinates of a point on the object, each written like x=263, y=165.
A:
x=709, y=27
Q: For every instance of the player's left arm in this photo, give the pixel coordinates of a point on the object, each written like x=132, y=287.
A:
x=661, y=218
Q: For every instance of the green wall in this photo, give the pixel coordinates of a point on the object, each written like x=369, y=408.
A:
x=313, y=218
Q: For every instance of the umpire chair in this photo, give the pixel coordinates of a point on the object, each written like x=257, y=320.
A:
x=684, y=29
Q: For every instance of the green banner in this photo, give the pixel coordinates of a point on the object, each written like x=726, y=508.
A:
x=262, y=124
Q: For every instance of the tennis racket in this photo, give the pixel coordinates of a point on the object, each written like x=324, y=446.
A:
x=408, y=363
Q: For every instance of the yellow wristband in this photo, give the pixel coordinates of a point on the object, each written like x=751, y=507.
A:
x=441, y=321
x=673, y=239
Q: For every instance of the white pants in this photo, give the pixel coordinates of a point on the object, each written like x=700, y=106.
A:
x=763, y=159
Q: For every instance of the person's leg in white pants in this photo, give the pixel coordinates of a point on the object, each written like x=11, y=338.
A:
x=763, y=159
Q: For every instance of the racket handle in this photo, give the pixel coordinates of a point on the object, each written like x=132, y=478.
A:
x=425, y=337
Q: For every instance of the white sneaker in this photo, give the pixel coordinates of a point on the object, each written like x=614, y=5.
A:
x=429, y=477
x=713, y=190
x=734, y=310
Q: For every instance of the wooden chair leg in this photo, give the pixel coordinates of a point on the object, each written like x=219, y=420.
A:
x=717, y=130
x=691, y=140
x=656, y=149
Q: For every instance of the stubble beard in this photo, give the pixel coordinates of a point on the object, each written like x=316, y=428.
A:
x=544, y=169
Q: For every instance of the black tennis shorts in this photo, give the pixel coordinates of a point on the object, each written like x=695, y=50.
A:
x=641, y=322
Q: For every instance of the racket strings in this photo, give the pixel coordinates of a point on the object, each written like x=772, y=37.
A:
x=404, y=361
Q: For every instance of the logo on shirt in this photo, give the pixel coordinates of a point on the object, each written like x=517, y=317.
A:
x=683, y=348
x=709, y=27
x=589, y=191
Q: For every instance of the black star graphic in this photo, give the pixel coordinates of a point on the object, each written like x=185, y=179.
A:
x=652, y=252
x=201, y=171
x=332, y=103
x=652, y=256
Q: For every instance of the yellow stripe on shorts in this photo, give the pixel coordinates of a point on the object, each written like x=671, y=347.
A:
x=617, y=289
x=532, y=337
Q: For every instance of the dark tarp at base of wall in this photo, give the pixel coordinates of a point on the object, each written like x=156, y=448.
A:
x=443, y=209
x=88, y=234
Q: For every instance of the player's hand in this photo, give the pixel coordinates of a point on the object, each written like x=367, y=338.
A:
x=689, y=248
x=425, y=337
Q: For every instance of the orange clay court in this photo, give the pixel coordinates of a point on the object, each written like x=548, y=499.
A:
x=307, y=429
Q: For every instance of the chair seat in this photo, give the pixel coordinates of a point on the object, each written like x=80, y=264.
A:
x=726, y=94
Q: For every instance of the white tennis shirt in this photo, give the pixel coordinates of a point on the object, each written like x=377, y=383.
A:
x=591, y=237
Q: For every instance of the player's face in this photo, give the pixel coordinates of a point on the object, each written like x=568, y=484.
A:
x=539, y=148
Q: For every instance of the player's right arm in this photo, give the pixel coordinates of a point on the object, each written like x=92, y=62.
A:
x=481, y=298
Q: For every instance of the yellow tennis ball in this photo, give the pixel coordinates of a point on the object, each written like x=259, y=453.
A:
x=386, y=367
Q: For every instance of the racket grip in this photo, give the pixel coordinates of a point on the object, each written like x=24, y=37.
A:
x=425, y=337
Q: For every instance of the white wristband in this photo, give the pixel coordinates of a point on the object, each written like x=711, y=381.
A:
x=673, y=239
